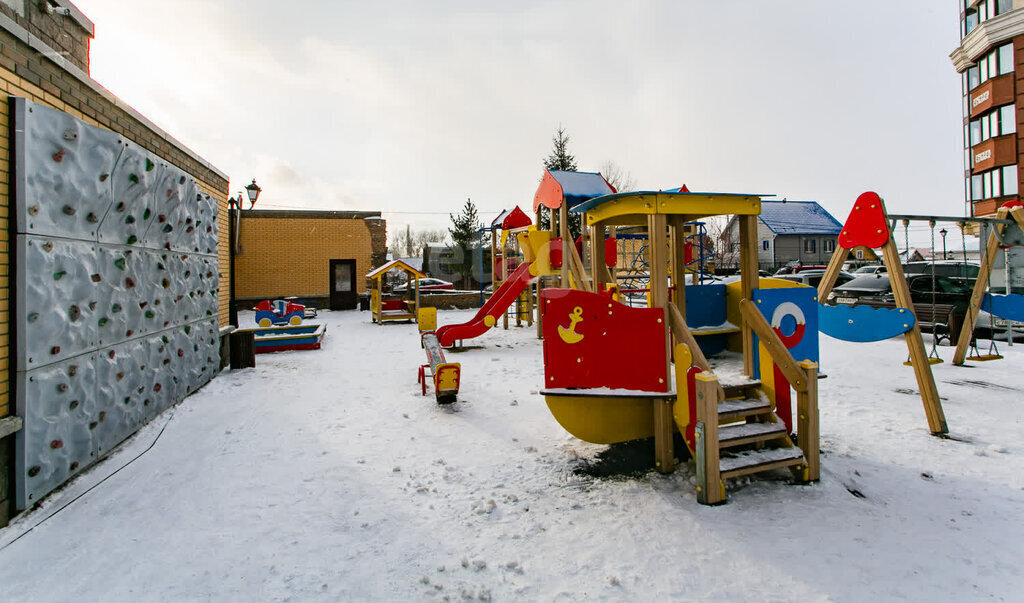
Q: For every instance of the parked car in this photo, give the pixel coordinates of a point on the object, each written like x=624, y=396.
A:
x=865, y=270
x=427, y=284
x=812, y=278
x=944, y=268
x=932, y=305
x=794, y=268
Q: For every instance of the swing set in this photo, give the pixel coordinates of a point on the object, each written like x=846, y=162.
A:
x=870, y=225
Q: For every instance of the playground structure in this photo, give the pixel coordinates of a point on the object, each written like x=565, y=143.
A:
x=870, y=225
x=394, y=307
x=287, y=337
x=445, y=375
x=279, y=312
x=609, y=368
x=506, y=257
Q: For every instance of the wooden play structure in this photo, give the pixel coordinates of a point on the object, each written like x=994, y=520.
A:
x=869, y=225
x=609, y=371
x=385, y=307
x=1009, y=306
x=506, y=257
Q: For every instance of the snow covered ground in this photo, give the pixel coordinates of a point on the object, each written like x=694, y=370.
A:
x=326, y=475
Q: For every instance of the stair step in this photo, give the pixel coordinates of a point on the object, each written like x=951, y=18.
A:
x=755, y=461
x=748, y=433
x=738, y=409
x=740, y=389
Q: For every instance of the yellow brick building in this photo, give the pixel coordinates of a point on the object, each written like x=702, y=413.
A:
x=44, y=57
x=321, y=256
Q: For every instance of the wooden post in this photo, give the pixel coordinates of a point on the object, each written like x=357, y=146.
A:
x=835, y=266
x=980, y=286
x=807, y=435
x=657, y=246
x=677, y=245
x=567, y=242
x=664, y=454
x=710, y=489
x=918, y=355
x=748, y=282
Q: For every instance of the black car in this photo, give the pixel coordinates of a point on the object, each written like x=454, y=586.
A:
x=934, y=298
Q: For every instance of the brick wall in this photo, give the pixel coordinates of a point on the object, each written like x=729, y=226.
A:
x=68, y=35
x=57, y=78
x=288, y=253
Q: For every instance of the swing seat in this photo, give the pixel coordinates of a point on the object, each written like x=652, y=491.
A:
x=931, y=360
x=985, y=357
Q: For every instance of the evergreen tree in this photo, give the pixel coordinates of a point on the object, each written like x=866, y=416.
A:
x=465, y=239
x=561, y=159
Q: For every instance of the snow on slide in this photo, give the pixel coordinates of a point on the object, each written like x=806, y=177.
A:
x=494, y=307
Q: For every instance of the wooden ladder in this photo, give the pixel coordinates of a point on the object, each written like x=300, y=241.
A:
x=738, y=433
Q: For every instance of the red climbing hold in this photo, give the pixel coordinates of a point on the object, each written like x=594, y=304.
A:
x=866, y=224
x=59, y=156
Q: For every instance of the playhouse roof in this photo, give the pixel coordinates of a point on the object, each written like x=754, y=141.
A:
x=572, y=187
x=798, y=217
x=511, y=218
x=392, y=265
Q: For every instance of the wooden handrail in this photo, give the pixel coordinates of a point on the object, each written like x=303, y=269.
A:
x=684, y=335
x=796, y=376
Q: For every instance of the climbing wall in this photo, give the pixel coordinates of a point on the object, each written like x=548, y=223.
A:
x=116, y=292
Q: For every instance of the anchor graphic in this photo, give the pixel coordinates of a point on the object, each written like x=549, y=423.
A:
x=570, y=335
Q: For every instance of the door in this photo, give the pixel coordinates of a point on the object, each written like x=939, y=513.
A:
x=343, y=285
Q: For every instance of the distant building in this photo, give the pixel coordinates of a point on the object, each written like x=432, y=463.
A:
x=991, y=37
x=787, y=231
x=321, y=256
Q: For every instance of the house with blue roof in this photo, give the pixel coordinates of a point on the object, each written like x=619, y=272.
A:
x=786, y=231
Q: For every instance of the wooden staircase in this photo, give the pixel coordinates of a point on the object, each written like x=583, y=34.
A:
x=738, y=433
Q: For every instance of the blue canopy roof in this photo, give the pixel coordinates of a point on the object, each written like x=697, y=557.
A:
x=580, y=186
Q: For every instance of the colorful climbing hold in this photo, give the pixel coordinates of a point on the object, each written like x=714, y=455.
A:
x=103, y=321
x=55, y=350
x=134, y=178
x=59, y=156
x=132, y=239
x=68, y=210
x=103, y=177
x=119, y=262
x=149, y=165
x=129, y=283
x=59, y=274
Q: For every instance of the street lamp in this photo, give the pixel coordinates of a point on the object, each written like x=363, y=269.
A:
x=253, y=191
x=942, y=232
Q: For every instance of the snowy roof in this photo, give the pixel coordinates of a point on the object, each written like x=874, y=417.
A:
x=798, y=217
x=580, y=186
x=413, y=262
x=393, y=265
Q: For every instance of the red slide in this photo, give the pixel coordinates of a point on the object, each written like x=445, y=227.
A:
x=494, y=307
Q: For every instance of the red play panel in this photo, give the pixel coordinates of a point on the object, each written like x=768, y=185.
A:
x=866, y=224
x=591, y=341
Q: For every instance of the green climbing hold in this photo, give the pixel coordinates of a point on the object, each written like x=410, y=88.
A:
x=167, y=228
x=146, y=214
x=149, y=165
x=104, y=321
x=188, y=329
x=164, y=339
x=59, y=275
x=133, y=178
x=132, y=239
x=149, y=314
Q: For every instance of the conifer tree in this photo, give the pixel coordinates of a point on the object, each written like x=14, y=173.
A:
x=561, y=159
x=465, y=235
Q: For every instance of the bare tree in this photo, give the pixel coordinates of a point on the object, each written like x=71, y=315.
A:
x=410, y=243
x=618, y=177
x=726, y=251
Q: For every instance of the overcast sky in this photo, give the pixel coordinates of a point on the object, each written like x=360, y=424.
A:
x=414, y=106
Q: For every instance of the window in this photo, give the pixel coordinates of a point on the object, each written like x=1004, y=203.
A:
x=859, y=254
x=765, y=244
x=992, y=64
x=998, y=182
x=810, y=245
x=998, y=122
x=1008, y=119
x=828, y=245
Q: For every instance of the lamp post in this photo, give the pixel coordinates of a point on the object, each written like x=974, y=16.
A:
x=253, y=191
x=943, y=232
x=234, y=228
